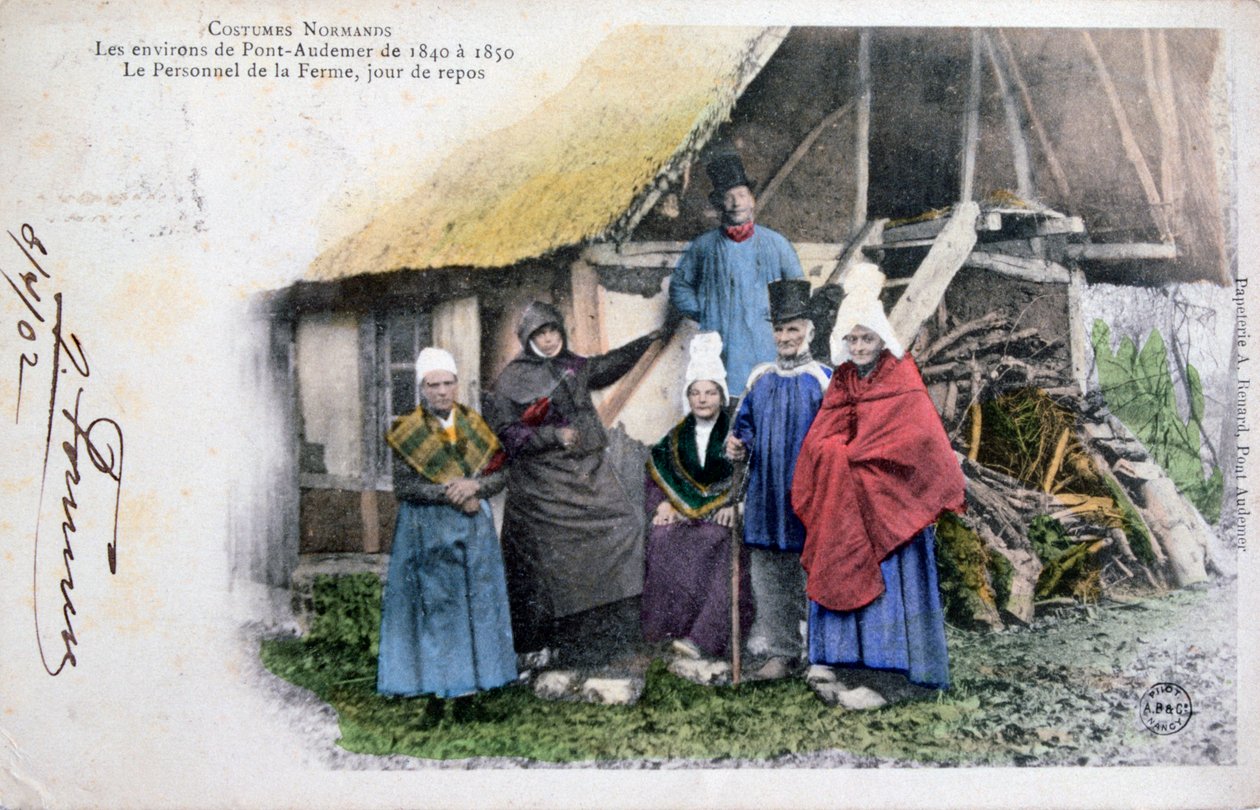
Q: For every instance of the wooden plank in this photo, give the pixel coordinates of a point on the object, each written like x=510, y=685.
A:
x=971, y=122
x=587, y=334
x=929, y=228
x=1058, y=225
x=937, y=270
x=369, y=511
x=1127, y=139
x=610, y=407
x=1122, y=252
x=1014, y=128
x=1034, y=121
x=666, y=254
x=611, y=254
x=457, y=328
x=862, y=133
x=1078, y=340
x=1039, y=270
x=764, y=198
x=870, y=233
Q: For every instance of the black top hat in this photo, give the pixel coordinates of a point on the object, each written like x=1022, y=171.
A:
x=726, y=171
x=789, y=299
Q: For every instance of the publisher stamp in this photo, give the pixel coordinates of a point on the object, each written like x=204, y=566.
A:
x=1165, y=708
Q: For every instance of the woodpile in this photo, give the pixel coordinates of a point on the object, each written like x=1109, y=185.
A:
x=1064, y=504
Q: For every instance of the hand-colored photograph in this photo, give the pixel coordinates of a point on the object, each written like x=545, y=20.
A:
x=786, y=396
x=532, y=405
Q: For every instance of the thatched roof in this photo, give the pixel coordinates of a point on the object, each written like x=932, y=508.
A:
x=584, y=164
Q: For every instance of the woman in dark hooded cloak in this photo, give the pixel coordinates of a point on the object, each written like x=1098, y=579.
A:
x=572, y=538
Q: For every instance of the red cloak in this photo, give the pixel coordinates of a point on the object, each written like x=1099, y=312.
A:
x=874, y=470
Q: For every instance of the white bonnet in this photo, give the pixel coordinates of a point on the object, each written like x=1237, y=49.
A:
x=433, y=359
x=861, y=307
x=704, y=362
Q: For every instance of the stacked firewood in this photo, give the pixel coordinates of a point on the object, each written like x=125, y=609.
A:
x=1058, y=525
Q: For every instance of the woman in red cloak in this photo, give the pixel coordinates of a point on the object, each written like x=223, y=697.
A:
x=875, y=472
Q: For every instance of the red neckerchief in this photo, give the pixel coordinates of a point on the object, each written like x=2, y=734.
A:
x=738, y=233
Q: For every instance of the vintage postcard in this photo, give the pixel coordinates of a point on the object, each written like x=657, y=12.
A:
x=648, y=405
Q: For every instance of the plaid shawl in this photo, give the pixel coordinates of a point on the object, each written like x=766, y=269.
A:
x=419, y=438
x=674, y=464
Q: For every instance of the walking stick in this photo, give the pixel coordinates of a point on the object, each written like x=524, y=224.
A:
x=739, y=481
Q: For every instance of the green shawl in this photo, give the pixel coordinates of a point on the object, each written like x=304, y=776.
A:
x=674, y=465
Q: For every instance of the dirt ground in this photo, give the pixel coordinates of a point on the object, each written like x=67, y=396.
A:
x=1063, y=692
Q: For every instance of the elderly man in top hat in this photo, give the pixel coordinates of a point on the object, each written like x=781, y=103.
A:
x=720, y=281
x=770, y=424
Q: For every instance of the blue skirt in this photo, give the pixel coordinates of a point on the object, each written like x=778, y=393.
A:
x=445, y=628
x=902, y=630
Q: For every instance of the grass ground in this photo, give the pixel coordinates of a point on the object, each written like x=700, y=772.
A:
x=1064, y=692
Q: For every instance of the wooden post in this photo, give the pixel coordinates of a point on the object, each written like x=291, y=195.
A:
x=763, y=199
x=1079, y=349
x=1131, y=148
x=457, y=328
x=1014, y=128
x=1034, y=121
x=971, y=122
x=587, y=332
x=370, y=513
x=862, y=135
x=869, y=235
x=610, y=406
x=949, y=250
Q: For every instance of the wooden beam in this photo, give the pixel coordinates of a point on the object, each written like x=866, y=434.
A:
x=1127, y=139
x=1121, y=252
x=862, y=133
x=1159, y=87
x=929, y=228
x=767, y=194
x=950, y=250
x=1078, y=340
x=1034, y=121
x=870, y=234
x=1014, y=128
x=971, y=123
x=587, y=332
x=610, y=407
x=666, y=254
x=457, y=328
x=370, y=513
x=1050, y=226
x=614, y=254
x=1039, y=270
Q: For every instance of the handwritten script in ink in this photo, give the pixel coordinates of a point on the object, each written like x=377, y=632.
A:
x=79, y=453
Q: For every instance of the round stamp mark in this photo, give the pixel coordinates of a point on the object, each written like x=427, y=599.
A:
x=1165, y=708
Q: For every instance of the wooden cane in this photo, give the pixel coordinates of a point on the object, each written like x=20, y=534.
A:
x=739, y=479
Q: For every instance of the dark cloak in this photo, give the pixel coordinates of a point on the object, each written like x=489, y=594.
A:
x=572, y=540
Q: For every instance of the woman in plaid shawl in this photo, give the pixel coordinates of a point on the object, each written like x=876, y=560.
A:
x=445, y=628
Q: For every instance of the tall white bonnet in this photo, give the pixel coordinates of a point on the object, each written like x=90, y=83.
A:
x=704, y=362
x=861, y=307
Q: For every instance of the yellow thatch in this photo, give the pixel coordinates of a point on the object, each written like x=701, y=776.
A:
x=583, y=164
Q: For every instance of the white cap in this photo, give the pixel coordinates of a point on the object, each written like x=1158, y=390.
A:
x=704, y=362
x=861, y=307
x=432, y=359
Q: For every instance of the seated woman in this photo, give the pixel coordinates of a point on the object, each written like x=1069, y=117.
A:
x=875, y=472
x=445, y=629
x=687, y=584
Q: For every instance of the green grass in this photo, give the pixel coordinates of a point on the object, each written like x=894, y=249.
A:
x=1056, y=695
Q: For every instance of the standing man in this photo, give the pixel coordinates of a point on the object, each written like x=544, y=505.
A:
x=772, y=420
x=721, y=279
